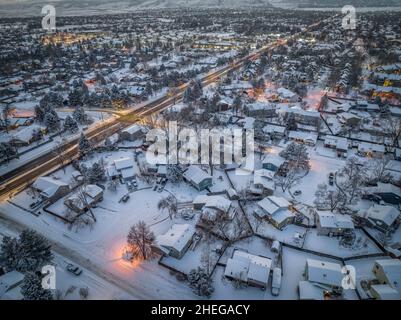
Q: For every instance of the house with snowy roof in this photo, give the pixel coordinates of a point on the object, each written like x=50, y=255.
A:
x=387, y=192
x=81, y=202
x=272, y=162
x=197, y=178
x=388, y=272
x=308, y=138
x=381, y=217
x=132, y=133
x=276, y=210
x=329, y=224
x=50, y=189
x=248, y=268
x=176, y=241
x=328, y=274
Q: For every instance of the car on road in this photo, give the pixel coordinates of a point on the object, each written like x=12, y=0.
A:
x=124, y=198
x=74, y=269
x=297, y=192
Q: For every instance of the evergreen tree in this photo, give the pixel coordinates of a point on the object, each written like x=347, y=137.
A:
x=32, y=289
x=29, y=252
x=200, y=282
x=7, y=151
x=96, y=173
x=70, y=124
x=52, y=121
x=84, y=145
x=80, y=116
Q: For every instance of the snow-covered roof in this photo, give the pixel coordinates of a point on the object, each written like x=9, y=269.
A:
x=264, y=177
x=128, y=173
x=285, y=93
x=279, y=201
x=258, y=106
x=269, y=128
x=216, y=202
x=309, y=291
x=112, y=171
x=273, y=159
x=269, y=207
x=392, y=270
x=48, y=186
x=324, y=272
x=133, y=129
x=305, y=136
x=26, y=134
x=123, y=163
x=276, y=208
x=369, y=147
x=385, y=292
x=386, y=214
x=93, y=190
x=177, y=237
x=196, y=174
x=245, y=266
x=329, y=220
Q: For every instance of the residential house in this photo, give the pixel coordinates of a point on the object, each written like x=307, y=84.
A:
x=248, y=268
x=50, y=189
x=329, y=224
x=132, y=133
x=274, y=131
x=308, y=138
x=381, y=217
x=276, y=210
x=263, y=182
x=124, y=167
x=371, y=150
x=387, y=192
x=324, y=273
x=176, y=241
x=197, y=177
x=82, y=202
x=272, y=162
x=260, y=109
x=348, y=119
x=286, y=95
x=340, y=144
x=388, y=272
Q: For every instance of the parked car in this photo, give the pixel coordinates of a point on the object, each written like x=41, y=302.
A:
x=74, y=269
x=297, y=192
x=124, y=198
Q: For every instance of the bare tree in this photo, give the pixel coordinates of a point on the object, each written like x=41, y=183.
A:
x=169, y=204
x=140, y=240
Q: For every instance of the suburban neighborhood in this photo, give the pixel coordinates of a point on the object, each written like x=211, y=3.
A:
x=223, y=153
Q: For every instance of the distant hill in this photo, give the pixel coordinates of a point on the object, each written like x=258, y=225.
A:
x=338, y=3
x=88, y=7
